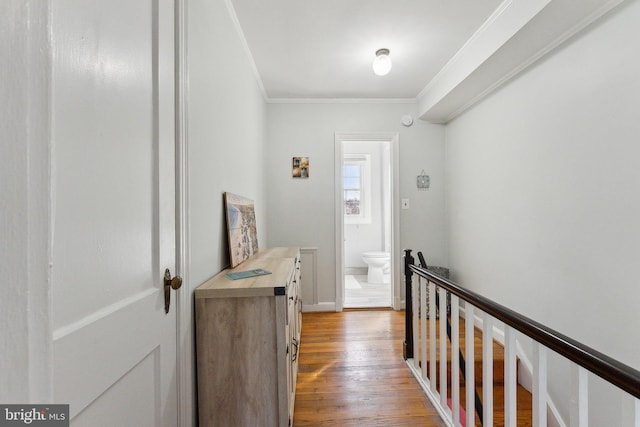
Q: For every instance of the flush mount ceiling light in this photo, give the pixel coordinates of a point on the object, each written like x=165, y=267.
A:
x=382, y=63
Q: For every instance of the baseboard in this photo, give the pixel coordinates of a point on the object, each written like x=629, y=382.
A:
x=322, y=306
x=434, y=398
x=554, y=419
x=356, y=271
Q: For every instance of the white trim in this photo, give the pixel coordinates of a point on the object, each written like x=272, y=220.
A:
x=487, y=368
x=321, y=306
x=579, y=397
x=39, y=137
x=396, y=256
x=396, y=251
x=363, y=161
x=185, y=343
x=510, y=376
x=630, y=408
x=96, y=316
x=26, y=219
x=341, y=100
x=313, y=252
x=539, y=390
x=339, y=223
x=245, y=47
x=444, y=413
x=469, y=365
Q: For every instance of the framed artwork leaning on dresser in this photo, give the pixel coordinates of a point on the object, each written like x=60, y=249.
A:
x=242, y=234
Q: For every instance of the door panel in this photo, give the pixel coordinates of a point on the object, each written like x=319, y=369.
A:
x=103, y=130
x=132, y=390
x=113, y=210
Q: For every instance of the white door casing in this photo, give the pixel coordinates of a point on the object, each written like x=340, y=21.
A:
x=114, y=348
x=396, y=257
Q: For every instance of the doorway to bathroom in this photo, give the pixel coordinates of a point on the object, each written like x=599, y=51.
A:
x=366, y=221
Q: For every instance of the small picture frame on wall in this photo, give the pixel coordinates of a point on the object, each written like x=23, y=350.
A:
x=300, y=167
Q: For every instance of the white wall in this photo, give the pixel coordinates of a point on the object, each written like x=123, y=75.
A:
x=226, y=134
x=225, y=143
x=301, y=211
x=543, y=194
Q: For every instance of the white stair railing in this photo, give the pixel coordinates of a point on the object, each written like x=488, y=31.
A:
x=430, y=341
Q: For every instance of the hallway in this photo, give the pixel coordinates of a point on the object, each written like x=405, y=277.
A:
x=352, y=373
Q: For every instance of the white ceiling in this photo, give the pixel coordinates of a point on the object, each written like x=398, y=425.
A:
x=325, y=48
x=447, y=54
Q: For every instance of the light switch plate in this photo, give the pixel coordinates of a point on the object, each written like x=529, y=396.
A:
x=405, y=203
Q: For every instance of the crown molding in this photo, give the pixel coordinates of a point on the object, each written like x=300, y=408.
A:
x=341, y=100
x=245, y=47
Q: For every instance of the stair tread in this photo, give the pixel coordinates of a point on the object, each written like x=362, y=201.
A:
x=498, y=350
x=524, y=402
x=523, y=406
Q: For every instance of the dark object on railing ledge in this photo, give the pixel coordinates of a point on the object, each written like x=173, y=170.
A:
x=440, y=271
x=615, y=372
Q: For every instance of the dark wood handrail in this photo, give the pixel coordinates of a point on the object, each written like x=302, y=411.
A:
x=609, y=369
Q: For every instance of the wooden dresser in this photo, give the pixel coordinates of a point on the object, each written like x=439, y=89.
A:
x=247, y=338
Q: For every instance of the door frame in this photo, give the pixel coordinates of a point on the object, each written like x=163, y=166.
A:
x=185, y=349
x=28, y=195
x=393, y=139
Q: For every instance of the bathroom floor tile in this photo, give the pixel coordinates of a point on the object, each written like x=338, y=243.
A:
x=365, y=295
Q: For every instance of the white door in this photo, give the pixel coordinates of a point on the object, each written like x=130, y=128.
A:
x=114, y=351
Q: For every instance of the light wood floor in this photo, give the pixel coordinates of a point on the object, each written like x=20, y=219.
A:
x=352, y=373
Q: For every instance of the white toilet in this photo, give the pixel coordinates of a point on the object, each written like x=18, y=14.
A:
x=379, y=265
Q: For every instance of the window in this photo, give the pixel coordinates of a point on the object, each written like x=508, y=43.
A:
x=356, y=188
x=352, y=189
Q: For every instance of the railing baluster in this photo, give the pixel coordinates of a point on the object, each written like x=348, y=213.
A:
x=455, y=359
x=539, y=391
x=423, y=326
x=510, y=377
x=415, y=288
x=487, y=369
x=470, y=382
x=630, y=412
x=443, y=347
x=432, y=336
x=579, y=405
